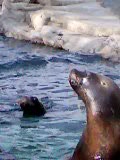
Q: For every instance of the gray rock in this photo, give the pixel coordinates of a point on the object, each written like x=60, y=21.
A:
x=86, y=25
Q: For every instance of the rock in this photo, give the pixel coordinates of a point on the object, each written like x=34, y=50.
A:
x=113, y=5
x=111, y=48
x=56, y=2
x=84, y=24
x=40, y=19
x=1, y=2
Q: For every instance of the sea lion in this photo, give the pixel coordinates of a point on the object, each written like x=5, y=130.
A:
x=31, y=106
x=101, y=96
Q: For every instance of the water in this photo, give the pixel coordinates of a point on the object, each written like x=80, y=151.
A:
x=34, y=70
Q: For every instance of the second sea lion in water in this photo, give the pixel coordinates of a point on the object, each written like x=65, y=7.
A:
x=101, y=96
x=31, y=106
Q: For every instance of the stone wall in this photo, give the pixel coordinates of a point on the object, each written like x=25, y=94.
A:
x=1, y=2
x=83, y=26
x=56, y=2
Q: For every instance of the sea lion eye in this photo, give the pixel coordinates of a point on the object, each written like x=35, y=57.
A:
x=33, y=98
x=103, y=83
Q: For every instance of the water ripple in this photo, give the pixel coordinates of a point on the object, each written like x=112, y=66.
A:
x=61, y=60
x=20, y=63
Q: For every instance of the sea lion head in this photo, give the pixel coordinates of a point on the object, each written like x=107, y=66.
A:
x=31, y=106
x=100, y=94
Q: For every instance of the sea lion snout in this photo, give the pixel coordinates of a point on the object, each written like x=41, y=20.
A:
x=78, y=78
x=26, y=101
x=22, y=102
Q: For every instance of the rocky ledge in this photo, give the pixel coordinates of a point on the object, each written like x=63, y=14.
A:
x=86, y=26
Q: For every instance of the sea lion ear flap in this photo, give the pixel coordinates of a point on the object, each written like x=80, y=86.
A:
x=104, y=84
x=34, y=99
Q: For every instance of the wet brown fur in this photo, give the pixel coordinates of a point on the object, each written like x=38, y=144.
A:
x=101, y=137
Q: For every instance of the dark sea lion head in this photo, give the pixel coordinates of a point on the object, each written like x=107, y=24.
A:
x=31, y=106
x=100, y=94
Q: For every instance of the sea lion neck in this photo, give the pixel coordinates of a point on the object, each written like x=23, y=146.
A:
x=105, y=108
x=96, y=119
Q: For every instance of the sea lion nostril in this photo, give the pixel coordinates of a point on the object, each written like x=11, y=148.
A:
x=73, y=82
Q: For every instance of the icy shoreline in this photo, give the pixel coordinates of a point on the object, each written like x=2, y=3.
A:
x=84, y=25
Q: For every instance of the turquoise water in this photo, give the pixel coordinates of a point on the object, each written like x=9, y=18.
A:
x=34, y=70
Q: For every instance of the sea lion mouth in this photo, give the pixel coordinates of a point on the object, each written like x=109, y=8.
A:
x=77, y=78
